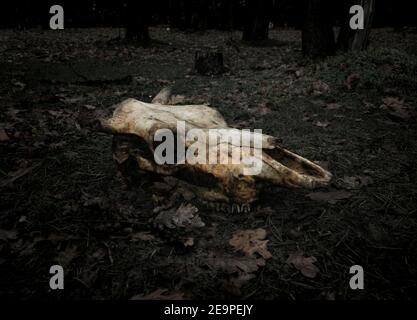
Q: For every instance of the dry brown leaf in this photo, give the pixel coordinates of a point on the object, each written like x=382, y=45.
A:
x=263, y=109
x=160, y=294
x=304, y=265
x=333, y=106
x=397, y=108
x=184, y=217
x=251, y=242
x=306, y=117
x=3, y=136
x=320, y=87
x=392, y=101
x=321, y=124
x=352, y=81
x=298, y=73
x=144, y=236
x=189, y=242
x=233, y=264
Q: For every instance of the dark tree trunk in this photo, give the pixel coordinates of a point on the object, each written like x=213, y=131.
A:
x=317, y=34
x=137, y=21
x=257, y=18
x=356, y=39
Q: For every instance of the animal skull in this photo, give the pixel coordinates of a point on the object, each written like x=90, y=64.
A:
x=134, y=124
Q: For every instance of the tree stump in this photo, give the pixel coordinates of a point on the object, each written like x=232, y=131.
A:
x=209, y=62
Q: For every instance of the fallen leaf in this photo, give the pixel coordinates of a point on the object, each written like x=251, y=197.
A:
x=397, y=108
x=251, y=242
x=306, y=117
x=304, y=265
x=333, y=106
x=352, y=81
x=3, y=136
x=331, y=196
x=184, y=217
x=160, y=294
x=232, y=264
x=189, y=242
x=321, y=124
x=263, y=109
x=320, y=87
x=144, y=236
x=299, y=73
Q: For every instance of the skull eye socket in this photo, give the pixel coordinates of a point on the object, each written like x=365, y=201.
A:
x=132, y=144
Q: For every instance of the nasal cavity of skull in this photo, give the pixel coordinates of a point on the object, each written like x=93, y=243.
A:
x=291, y=162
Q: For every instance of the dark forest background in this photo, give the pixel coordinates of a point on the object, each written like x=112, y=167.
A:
x=187, y=14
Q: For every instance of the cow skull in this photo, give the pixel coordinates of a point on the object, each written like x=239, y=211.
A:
x=135, y=123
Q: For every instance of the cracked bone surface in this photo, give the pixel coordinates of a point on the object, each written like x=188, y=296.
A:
x=134, y=124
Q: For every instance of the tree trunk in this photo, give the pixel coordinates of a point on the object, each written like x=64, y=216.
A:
x=257, y=13
x=356, y=39
x=317, y=34
x=137, y=21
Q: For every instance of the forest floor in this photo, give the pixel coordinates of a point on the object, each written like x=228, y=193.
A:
x=62, y=200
